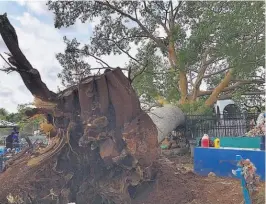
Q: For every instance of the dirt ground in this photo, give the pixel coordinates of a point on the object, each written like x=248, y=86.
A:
x=177, y=184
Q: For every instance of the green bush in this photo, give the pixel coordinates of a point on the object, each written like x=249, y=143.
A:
x=196, y=108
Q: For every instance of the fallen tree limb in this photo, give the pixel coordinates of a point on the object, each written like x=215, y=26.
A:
x=30, y=76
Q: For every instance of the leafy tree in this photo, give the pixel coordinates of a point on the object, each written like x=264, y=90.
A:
x=3, y=113
x=219, y=43
x=27, y=124
x=154, y=79
x=21, y=119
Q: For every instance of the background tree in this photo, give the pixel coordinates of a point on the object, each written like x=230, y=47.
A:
x=3, y=114
x=202, y=41
x=74, y=67
x=153, y=81
x=26, y=124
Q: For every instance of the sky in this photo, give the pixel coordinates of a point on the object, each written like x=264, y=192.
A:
x=40, y=41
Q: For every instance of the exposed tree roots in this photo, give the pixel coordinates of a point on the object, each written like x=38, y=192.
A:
x=105, y=146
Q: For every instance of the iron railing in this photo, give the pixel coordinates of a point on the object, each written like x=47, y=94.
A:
x=232, y=125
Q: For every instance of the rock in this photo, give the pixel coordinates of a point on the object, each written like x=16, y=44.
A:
x=174, y=145
x=167, y=119
x=211, y=174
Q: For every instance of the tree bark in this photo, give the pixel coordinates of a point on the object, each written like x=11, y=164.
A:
x=216, y=92
x=30, y=76
x=203, y=67
x=183, y=83
x=173, y=57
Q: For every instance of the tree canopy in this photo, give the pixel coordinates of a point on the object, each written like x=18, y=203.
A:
x=217, y=44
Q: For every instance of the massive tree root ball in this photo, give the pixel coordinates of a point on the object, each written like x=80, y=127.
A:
x=103, y=146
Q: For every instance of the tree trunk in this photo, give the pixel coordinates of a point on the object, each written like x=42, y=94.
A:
x=183, y=83
x=216, y=92
x=102, y=142
x=30, y=76
x=167, y=119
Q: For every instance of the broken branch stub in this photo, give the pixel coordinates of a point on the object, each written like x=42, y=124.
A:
x=101, y=137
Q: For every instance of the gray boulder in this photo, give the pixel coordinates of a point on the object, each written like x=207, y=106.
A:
x=166, y=119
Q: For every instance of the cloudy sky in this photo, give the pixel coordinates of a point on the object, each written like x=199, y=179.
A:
x=39, y=41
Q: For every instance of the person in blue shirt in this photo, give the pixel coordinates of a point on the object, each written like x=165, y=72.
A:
x=15, y=138
x=12, y=140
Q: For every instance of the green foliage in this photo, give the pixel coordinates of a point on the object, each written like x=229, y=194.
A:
x=20, y=118
x=155, y=78
x=236, y=33
x=74, y=68
x=3, y=114
x=230, y=32
x=196, y=108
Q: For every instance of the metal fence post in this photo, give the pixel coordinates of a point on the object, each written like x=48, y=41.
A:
x=239, y=174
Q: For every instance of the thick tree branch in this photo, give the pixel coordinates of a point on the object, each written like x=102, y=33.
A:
x=166, y=14
x=30, y=76
x=173, y=58
x=191, y=79
x=238, y=84
x=139, y=73
x=203, y=67
x=219, y=88
x=215, y=73
x=171, y=16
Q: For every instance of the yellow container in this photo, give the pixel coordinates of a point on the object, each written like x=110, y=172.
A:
x=217, y=143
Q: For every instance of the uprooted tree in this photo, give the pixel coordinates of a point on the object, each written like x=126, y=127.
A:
x=103, y=146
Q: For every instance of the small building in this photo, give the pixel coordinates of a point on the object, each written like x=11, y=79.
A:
x=227, y=106
x=231, y=121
